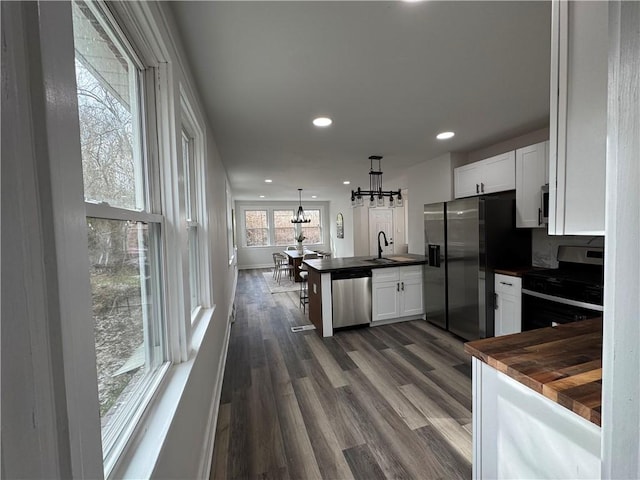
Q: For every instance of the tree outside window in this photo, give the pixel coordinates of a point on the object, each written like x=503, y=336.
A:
x=284, y=231
x=256, y=228
x=312, y=231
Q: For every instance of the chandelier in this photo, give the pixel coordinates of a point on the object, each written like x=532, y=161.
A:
x=375, y=193
x=300, y=217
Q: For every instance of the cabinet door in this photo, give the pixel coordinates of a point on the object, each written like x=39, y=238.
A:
x=578, y=117
x=385, y=298
x=508, y=314
x=467, y=180
x=412, y=301
x=498, y=173
x=530, y=177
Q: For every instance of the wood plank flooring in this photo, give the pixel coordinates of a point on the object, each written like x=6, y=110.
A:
x=369, y=403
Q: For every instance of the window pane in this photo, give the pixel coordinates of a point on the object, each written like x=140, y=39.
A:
x=191, y=210
x=108, y=110
x=257, y=228
x=284, y=230
x=312, y=231
x=122, y=296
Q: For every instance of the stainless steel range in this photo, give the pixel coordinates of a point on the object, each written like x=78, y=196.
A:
x=572, y=292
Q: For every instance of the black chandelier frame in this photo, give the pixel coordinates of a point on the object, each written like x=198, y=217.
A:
x=375, y=193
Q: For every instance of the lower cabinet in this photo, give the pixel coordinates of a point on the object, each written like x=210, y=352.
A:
x=508, y=314
x=518, y=433
x=396, y=293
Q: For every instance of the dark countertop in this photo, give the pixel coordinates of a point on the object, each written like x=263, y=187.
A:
x=325, y=265
x=563, y=363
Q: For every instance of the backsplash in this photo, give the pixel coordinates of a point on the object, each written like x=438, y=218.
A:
x=544, y=248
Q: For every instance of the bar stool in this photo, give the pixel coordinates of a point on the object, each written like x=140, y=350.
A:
x=304, y=285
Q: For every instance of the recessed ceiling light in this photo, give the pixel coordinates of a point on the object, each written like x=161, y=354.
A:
x=346, y=182
x=444, y=135
x=268, y=180
x=261, y=196
x=314, y=196
x=322, y=121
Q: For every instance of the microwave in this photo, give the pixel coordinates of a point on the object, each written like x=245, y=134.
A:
x=543, y=211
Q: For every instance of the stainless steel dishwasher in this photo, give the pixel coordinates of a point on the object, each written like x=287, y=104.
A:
x=351, y=296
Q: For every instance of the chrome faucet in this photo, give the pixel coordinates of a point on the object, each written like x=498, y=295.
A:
x=386, y=244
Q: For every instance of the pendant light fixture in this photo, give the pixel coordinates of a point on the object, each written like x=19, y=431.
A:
x=300, y=216
x=375, y=194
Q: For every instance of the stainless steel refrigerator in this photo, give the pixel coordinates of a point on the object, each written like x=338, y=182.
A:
x=435, y=271
x=475, y=236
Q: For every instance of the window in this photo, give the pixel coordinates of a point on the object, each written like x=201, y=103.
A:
x=256, y=228
x=271, y=226
x=312, y=231
x=191, y=217
x=124, y=227
x=283, y=230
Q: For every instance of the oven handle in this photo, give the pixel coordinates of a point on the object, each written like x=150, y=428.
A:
x=565, y=301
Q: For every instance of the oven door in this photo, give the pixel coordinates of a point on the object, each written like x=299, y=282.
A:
x=540, y=310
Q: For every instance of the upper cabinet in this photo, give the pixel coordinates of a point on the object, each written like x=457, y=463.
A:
x=532, y=172
x=495, y=174
x=578, y=115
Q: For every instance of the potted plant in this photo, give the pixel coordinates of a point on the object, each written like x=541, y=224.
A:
x=299, y=238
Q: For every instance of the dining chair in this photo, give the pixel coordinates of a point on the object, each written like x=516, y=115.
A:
x=283, y=266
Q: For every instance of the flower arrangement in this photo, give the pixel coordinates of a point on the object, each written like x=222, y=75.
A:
x=300, y=238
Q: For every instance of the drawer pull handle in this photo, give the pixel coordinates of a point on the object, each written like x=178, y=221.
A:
x=507, y=283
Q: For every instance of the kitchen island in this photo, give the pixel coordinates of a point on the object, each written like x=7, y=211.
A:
x=399, y=291
x=536, y=402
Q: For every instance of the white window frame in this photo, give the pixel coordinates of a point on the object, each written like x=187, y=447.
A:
x=270, y=208
x=148, y=195
x=244, y=226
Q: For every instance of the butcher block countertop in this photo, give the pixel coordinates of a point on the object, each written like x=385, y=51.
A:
x=563, y=363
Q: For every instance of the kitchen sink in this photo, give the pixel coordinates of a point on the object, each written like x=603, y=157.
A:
x=381, y=260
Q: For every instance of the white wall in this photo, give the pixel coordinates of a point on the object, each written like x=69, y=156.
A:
x=50, y=425
x=428, y=182
x=342, y=247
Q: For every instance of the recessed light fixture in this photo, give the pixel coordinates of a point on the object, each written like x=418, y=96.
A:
x=445, y=135
x=268, y=180
x=261, y=196
x=322, y=121
x=314, y=196
x=346, y=182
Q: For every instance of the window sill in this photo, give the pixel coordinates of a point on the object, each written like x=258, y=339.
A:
x=141, y=454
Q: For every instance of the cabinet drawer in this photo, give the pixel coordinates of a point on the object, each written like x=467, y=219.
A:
x=413, y=272
x=385, y=274
x=507, y=284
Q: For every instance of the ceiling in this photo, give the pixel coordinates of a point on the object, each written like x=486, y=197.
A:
x=391, y=75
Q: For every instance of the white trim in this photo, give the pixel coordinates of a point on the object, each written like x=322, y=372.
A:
x=98, y=210
x=621, y=341
x=71, y=250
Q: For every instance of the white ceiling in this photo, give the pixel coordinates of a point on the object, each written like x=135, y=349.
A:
x=391, y=75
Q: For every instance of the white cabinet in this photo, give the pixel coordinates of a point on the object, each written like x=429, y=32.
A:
x=518, y=433
x=397, y=293
x=532, y=172
x=508, y=314
x=578, y=116
x=495, y=174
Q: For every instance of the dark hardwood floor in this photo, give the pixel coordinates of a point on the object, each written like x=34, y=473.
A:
x=387, y=402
